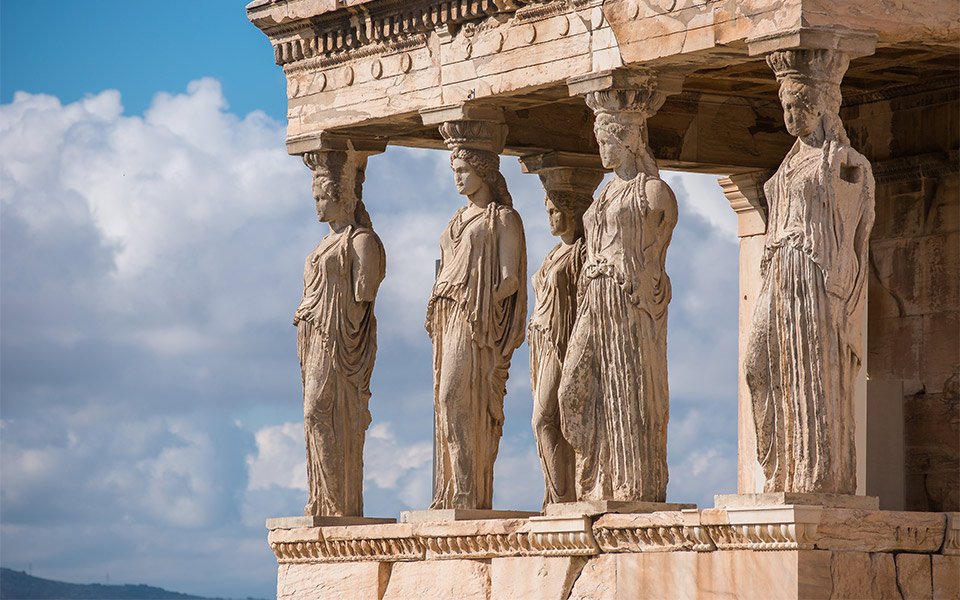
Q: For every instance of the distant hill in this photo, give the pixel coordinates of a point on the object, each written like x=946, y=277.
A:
x=17, y=585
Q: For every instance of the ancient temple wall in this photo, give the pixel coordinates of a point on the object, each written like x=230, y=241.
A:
x=914, y=289
x=790, y=552
x=914, y=326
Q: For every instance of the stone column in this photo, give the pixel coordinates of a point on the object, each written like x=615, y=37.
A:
x=745, y=194
x=477, y=311
x=804, y=349
x=570, y=181
x=613, y=392
x=340, y=282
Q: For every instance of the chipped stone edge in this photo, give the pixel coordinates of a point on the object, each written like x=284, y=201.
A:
x=770, y=528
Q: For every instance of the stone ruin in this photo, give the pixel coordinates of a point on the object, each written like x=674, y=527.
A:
x=835, y=128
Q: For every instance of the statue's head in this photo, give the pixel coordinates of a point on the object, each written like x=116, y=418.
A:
x=565, y=212
x=475, y=159
x=337, y=183
x=810, y=90
x=474, y=169
x=621, y=124
x=569, y=194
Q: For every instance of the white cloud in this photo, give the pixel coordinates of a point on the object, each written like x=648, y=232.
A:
x=405, y=469
x=700, y=194
x=151, y=265
x=280, y=459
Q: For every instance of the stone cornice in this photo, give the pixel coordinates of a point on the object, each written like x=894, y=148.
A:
x=914, y=167
x=762, y=528
x=383, y=25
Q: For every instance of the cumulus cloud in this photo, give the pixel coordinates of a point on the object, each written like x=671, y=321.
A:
x=144, y=269
x=279, y=460
x=151, y=392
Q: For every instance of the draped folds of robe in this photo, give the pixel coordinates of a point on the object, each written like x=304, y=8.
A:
x=613, y=391
x=474, y=337
x=804, y=350
x=555, y=285
x=336, y=343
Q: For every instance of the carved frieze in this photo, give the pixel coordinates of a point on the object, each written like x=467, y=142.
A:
x=766, y=528
x=763, y=528
x=387, y=25
x=346, y=544
x=951, y=539
x=653, y=532
x=537, y=536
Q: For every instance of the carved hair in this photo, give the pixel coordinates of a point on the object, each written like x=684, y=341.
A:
x=623, y=113
x=815, y=75
x=487, y=166
x=573, y=204
x=339, y=172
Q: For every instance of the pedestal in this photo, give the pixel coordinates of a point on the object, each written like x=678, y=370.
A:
x=786, y=498
x=460, y=514
x=592, y=508
x=316, y=521
x=761, y=551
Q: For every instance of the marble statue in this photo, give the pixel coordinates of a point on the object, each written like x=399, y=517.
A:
x=337, y=335
x=805, y=346
x=613, y=390
x=475, y=318
x=569, y=193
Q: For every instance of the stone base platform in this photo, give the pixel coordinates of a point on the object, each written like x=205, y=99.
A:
x=774, y=498
x=299, y=522
x=773, y=551
x=592, y=508
x=460, y=514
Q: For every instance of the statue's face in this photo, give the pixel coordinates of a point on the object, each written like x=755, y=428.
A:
x=612, y=150
x=468, y=182
x=799, y=112
x=560, y=222
x=328, y=207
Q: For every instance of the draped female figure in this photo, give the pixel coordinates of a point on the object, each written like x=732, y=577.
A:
x=475, y=318
x=555, y=284
x=805, y=347
x=613, y=390
x=337, y=339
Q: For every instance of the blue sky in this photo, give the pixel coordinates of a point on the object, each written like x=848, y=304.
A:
x=151, y=247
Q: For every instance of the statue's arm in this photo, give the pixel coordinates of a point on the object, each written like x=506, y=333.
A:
x=306, y=278
x=511, y=254
x=367, y=269
x=663, y=208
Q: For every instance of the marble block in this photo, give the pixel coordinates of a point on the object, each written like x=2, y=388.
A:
x=460, y=514
x=773, y=498
x=318, y=521
x=592, y=508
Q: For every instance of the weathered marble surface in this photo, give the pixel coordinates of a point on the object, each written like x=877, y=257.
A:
x=337, y=334
x=880, y=531
x=475, y=317
x=805, y=347
x=668, y=554
x=613, y=389
x=569, y=191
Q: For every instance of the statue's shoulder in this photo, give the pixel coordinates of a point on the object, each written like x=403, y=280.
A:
x=508, y=216
x=660, y=196
x=364, y=239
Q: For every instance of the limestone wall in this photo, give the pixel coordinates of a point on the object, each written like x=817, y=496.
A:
x=780, y=552
x=914, y=289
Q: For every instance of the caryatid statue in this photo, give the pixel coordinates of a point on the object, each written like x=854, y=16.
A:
x=475, y=317
x=337, y=334
x=805, y=346
x=613, y=390
x=569, y=191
